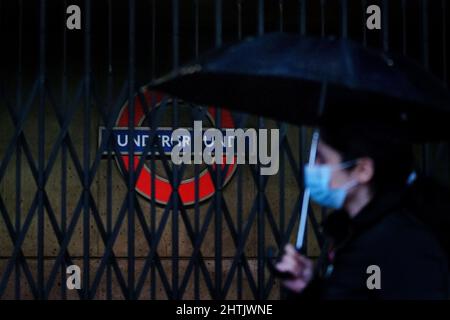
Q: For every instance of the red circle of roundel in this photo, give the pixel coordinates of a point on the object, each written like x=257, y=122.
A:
x=163, y=187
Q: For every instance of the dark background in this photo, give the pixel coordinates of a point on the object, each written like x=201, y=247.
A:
x=154, y=22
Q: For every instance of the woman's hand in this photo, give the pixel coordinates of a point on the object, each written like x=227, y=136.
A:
x=301, y=268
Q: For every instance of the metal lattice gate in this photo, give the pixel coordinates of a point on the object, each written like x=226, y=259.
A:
x=66, y=199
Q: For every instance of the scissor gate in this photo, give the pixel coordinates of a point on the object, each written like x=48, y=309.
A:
x=66, y=199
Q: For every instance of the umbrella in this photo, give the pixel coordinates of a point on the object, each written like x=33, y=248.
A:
x=312, y=81
x=282, y=76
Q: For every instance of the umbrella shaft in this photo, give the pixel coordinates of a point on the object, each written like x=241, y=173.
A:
x=306, y=194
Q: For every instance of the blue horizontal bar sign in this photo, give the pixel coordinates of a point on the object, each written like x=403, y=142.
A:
x=140, y=137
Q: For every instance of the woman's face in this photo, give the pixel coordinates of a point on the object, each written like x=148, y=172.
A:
x=362, y=173
x=326, y=155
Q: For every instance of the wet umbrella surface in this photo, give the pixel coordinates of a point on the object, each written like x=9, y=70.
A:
x=282, y=76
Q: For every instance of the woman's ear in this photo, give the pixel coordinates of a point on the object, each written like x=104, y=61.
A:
x=364, y=170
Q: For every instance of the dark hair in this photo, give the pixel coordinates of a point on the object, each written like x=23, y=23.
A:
x=392, y=156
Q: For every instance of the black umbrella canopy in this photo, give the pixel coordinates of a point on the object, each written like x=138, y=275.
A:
x=283, y=76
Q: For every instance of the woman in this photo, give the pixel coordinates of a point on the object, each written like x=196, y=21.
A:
x=387, y=223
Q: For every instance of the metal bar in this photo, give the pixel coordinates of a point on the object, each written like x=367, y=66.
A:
x=18, y=146
x=63, y=135
x=131, y=172
x=261, y=227
x=52, y=157
x=344, y=19
x=296, y=172
x=152, y=136
x=41, y=148
x=218, y=221
x=196, y=28
x=363, y=22
x=1, y=65
x=8, y=270
x=64, y=246
x=281, y=187
x=110, y=124
x=302, y=14
x=239, y=258
x=239, y=208
x=110, y=254
x=404, y=33
x=218, y=22
x=153, y=54
x=109, y=157
x=64, y=122
x=109, y=221
x=86, y=148
x=239, y=255
x=425, y=35
x=64, y=155
x=48, y=207
x=152, y=163
x=322, y=18
x=110, y=242
x=240, y=262
x=152, y=263
x=280, y=15
x=57, y=232
x=154, y=257
x=197, y=231
x=18, y=212
x=218, y=180
x=34, y=172
x=76, y=214
x=175, y=229
x=191, y=235
x=18, y=123
x=15, y=235
x=444, y=41
x=262, y=183
x=279, y=240
x=240, y=246
x=153, y=211
x=196, y=166
x=239, y=13
x=199, y=241
x=18, y=243
x=426, y=151
x=260, y=26
x=196, y=254
x=196, y=114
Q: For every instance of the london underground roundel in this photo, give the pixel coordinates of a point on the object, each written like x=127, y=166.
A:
x=163, y=187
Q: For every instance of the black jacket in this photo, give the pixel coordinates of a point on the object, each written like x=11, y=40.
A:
x=391, y=233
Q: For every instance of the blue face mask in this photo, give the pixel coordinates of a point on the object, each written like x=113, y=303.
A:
x=317, y=180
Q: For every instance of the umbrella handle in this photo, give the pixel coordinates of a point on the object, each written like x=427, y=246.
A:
x=306, y=194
